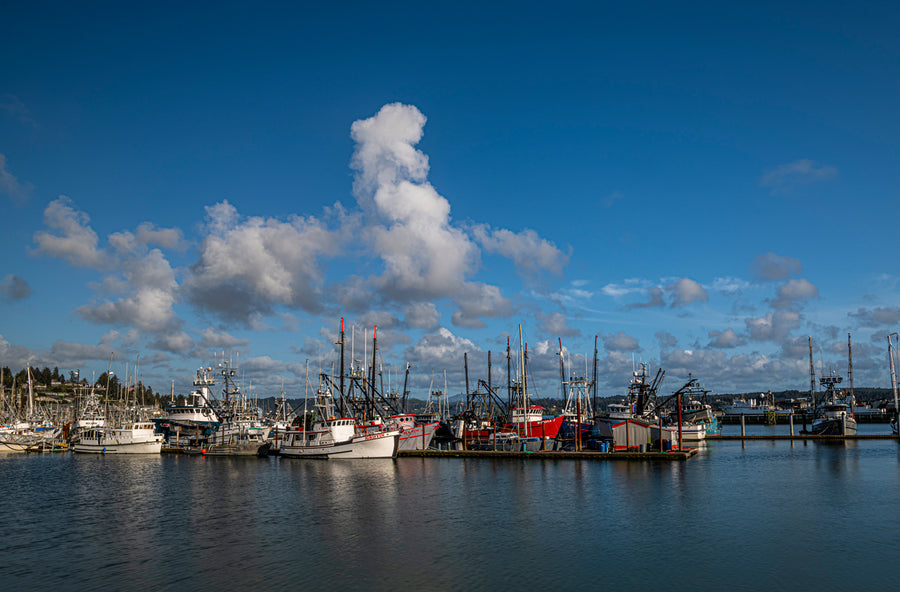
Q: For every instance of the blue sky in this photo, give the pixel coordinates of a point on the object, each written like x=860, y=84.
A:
x=698, y=187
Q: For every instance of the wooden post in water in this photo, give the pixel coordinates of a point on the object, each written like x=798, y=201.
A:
x=743, y=429
x=792, y=422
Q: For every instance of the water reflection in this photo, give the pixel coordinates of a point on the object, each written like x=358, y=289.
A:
x=474, y=524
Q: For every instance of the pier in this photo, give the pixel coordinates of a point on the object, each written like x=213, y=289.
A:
x=714, y=437
x=677, y=455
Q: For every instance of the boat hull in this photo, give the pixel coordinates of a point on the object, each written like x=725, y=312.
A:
x=153, y=447
x=834, y=427
x=419, y=437
x=382, y=445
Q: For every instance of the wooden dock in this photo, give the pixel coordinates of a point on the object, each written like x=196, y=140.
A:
x=678, y=455
x=803, y=437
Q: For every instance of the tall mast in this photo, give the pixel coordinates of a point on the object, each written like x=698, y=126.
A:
x=562, y=372
x=850, y=369
x=374, y=348
x=406, y=392
x=893, y=374
x=30, y=393
x=342, y=365
x=508, y=376
x=594, y=380
x=812, y=375
x=466, y=370
x=524, y=391
x=489, y=371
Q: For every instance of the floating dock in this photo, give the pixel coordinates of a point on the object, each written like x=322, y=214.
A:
x=803, y=437
x=678, y=455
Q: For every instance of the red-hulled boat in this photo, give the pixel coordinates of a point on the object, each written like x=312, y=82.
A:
x=525, y=422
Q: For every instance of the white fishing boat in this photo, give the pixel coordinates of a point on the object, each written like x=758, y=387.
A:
x=332, y=437
x=198, y=411
x=414, y=434
x=25, y=436
x=137, y=437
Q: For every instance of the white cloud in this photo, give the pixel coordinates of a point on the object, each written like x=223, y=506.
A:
x=629, y=286
x=75, y=241
x=725, y=339
x=877, y=317
x=424, y=256
x=529, y=252
x=151, y=286
x=14, y=288
x=556, y=323
x=174, y=342
x=478, y=301
x=422, y=315
x=773, y=326
x=655, y=299
x=785, y=177
x=440, y=349
x=685, y=291
x=620, y=342
x=250, y=265
x=211, y=338
x=730, y=286
x=794, y=291
x=17, y=191
x=771, y=267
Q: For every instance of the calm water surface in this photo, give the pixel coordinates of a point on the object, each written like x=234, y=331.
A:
x=762, y=515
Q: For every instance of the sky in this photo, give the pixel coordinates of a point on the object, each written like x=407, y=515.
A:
x=699, y=187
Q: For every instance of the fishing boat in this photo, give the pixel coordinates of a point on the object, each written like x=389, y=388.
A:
x=414, y=434
x=28, y=427
x=695, y=418
x=241, y=430
x=198, y=412
x=834, y=414
x=634, y=421
x=578, y=414
x=137, y=437
x=331, y=437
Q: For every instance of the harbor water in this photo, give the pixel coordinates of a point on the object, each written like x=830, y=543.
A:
x=772, y=515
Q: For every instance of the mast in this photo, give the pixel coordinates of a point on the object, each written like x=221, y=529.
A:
x=30, y=393
x=406, y=392
x=850, y=372
x=489, y=371
x=341, y=342
x=594, y=380
x=812, y=376
x=374, y=348
x=522, y=382
x=466, y=369
x=508, y=376
x=894, y=376
x=562, y=372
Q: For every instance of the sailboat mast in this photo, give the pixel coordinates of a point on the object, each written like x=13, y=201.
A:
x=30, y=393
